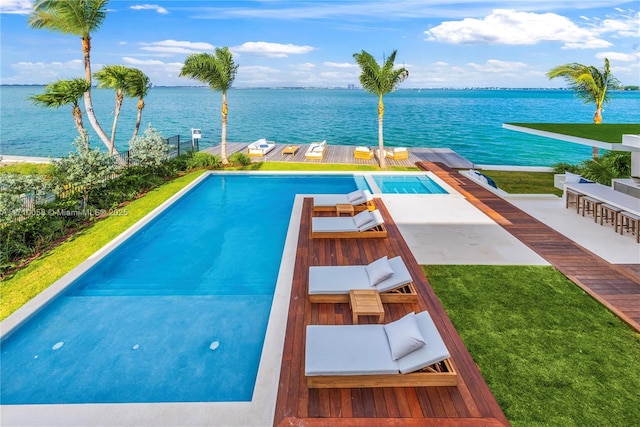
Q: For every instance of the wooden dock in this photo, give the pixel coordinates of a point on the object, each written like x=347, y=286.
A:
x=344, y=154
x=470, y=403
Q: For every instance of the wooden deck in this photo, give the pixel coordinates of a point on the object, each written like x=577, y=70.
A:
x=617, y=287
x=470, y=403
x=344, y=154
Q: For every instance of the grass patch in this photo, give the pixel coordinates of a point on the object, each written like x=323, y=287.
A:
x=605, y=132
x=27, y=168
x=16, y=290
x=516, y=182
x=552, y=355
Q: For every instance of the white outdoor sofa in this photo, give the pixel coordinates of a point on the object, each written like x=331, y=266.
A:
x=260, y=148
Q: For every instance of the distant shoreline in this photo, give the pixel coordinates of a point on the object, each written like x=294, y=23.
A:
x=497, y=88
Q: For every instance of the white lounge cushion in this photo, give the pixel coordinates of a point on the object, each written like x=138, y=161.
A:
x=329, y=199
x=432, y=352
x=334, y=199
x=571, y=178
x=404, y=336
x=362, y=218
x=339, y=279
x=364, y=350
x=377, y=218
x=343, y=224
x=400, y=149
x=355, y=195
x=347, y=350
x=333, y=224
x=378, y=271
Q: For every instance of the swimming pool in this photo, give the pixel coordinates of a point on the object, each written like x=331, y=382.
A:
x=140, y=325
x=408, y=184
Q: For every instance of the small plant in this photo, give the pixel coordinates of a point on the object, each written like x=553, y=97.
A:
x=199, y=160
x=240, y=159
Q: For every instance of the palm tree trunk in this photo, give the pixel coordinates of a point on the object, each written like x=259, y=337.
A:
x=597, y=116
x=381, y=153
x=116, y=114
x=77, y=118
x=88, y=104
x=138, y=120
x=223, y=143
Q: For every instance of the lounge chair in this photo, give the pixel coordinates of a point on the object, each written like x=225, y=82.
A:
x=332, y=283
x=260, y=148
x=406, y=353
x=316, y=150
x=364, y=153
x=399, y=153
x=360, y=199
x=366, y=224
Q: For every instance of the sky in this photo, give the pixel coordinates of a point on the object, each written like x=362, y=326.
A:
x=304, y=43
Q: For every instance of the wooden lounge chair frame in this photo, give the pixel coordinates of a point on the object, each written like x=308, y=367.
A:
x=441, y=374
x=377, y=232
x=370, y=205
x=403, y=294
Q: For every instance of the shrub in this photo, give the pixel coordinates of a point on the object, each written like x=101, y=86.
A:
x=240, y=158
x=204, y=160
x=150, y=150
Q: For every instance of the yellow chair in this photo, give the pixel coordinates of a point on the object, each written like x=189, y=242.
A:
x=399, y=153
x=363, y=153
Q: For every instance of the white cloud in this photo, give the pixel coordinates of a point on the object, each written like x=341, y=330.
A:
x=510, y=27
x=175, y=46
x=155, y=7
x=497, y=66
x=619, y=56
x=273, y=50
x=44, y=72
x=16, y=7
x=340, y=65
x=625, y=26
x=306, y=66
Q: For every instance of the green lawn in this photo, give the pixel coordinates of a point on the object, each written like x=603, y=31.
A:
x=605, y=132
x=26, y=168
x=552, y=355
x=16, y=290
x=524, y=182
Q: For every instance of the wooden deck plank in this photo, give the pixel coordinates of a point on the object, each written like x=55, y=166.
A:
x=470, y=402
x=616, y=287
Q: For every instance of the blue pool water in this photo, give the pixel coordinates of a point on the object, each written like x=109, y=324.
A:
x=409, y=184
x=137, y=326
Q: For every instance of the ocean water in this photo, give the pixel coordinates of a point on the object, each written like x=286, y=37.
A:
x=466, y=121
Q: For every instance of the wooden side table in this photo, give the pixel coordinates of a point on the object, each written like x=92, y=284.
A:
x=344, y=208
x=365, y=302
x=290, y=149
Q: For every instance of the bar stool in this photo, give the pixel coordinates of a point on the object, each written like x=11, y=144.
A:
x=609, y=214
x=572, y=197
x=590, y=205
x=631, y=223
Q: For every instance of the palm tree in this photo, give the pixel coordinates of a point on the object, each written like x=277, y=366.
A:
x=138, y=86
x=590, y=84
x=218, y=71
x=65, y=92
x=114, y=77
x=379, y=81
x=80, y=18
